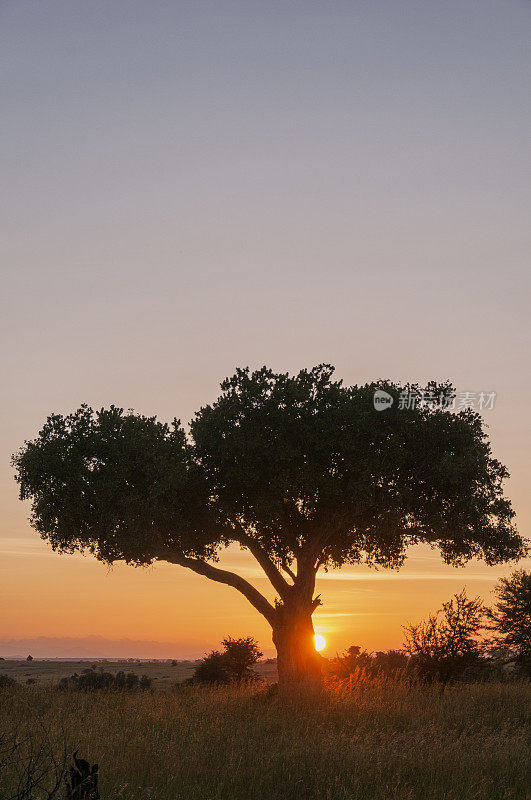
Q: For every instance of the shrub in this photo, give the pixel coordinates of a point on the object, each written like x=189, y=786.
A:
x=232, y=665
x=213, y=668
x=445, y=647
x=91, y=680
x=511, y=620
x=389, y=663
x=242, y=654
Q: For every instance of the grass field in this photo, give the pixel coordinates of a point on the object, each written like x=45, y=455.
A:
x=377, y=741
x=162, y=673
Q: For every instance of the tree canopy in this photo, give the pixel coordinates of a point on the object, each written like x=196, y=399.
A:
x=511, y=616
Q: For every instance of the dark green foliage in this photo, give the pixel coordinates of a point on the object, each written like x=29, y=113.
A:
x=242, y=654
x=92, y=680
x=121, y=485
x=6, y=681
x=510, y=618
x=290, y=456
x=213, y=668
x=446, y=646
x=234, y=664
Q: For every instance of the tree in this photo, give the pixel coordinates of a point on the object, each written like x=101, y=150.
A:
x=213, y=668
x=446, y=645
x=233, y=664
x=302, y=472
x=511, y=617
x=242, y=654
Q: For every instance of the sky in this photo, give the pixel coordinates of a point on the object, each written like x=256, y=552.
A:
x=188, y=187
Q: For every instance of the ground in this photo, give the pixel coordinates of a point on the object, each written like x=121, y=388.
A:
x=377, y=740
x=162, y=673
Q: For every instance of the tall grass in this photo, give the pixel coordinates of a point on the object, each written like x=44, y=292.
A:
x=374, y=739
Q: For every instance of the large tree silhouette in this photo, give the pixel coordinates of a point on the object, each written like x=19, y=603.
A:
x=301, y=471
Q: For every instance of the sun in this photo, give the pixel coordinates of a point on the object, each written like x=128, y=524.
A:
x=320, y=642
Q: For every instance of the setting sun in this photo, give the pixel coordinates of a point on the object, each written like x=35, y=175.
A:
x=320, y=642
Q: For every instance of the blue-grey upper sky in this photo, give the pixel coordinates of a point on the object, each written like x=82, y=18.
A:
x=192, y=186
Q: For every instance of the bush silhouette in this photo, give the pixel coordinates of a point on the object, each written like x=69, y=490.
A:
x=234, y=664
x=389, y=663
x=213, y=668
x=92, y=680
x=82, y=781
x=511, y=620
x=445, y=647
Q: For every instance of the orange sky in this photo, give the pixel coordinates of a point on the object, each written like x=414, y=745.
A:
x=192, y=187
x=44, y=594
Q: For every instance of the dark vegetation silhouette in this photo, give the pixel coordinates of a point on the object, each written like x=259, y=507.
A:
x=300, y=471
x=233, y=664
x=389, y=663
x=98, y=680
x=82, y=780
x=38, y=768
x=451, y=644
x=447, y=645
x=35, y=766
x=510, y=620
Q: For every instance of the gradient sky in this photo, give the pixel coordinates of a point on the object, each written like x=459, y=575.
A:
x=188, y=187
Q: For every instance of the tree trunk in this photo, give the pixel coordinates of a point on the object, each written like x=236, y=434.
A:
x=298, y=662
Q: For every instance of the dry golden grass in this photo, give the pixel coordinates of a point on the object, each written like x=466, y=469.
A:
x=376, y=740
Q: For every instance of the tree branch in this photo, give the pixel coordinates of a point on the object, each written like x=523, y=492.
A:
x=277, y=580
x=229, y=579
x=316, y=602
x=287, y=569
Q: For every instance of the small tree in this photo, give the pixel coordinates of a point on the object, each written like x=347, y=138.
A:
x=302, y=472
x=213, y=668
x=242, y=654
x=511, y=618
x=233, y=664
x=446, y=645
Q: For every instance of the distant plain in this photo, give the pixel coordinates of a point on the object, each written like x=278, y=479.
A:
x=161, y=672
